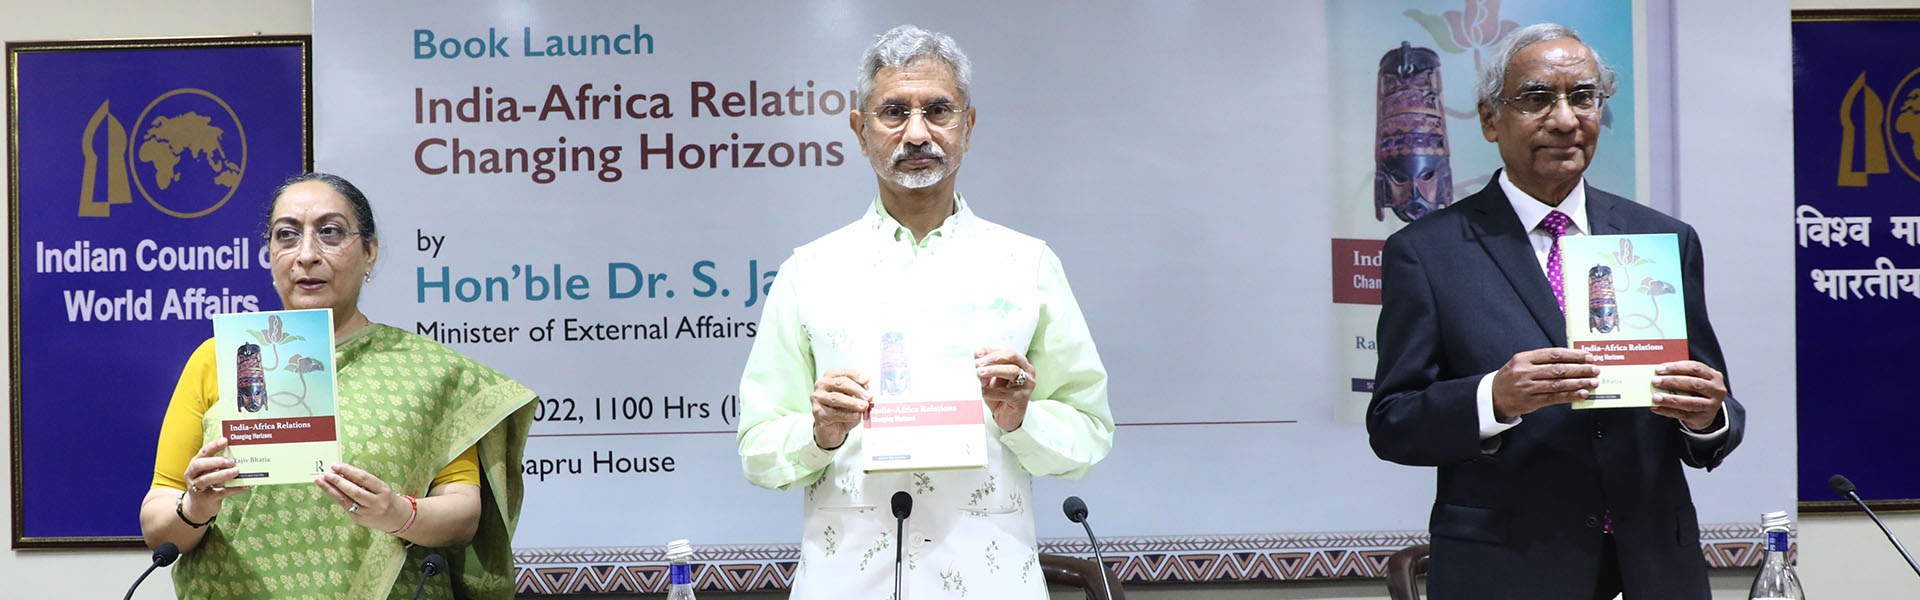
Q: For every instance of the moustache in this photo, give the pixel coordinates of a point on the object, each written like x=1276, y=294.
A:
x=927, y=150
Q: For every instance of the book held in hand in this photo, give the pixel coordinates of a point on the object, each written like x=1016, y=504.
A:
x=276, y=382
x=1625, y=305
x=927, y=411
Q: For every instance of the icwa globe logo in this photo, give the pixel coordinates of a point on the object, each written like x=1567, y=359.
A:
x=190, y=152
x=186, y=155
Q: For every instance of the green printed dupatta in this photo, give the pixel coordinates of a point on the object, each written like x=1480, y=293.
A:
x=407, y=407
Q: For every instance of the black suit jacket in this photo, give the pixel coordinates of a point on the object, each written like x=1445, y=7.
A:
x=1518, y=515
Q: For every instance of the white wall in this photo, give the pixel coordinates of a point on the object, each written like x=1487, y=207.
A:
x=1841, y=556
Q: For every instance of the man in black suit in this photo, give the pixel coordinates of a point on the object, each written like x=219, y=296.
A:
x=1536, y=500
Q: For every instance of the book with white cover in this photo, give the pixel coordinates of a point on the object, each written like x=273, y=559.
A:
x=927, y=410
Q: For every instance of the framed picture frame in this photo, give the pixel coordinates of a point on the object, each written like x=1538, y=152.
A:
x=139, y=175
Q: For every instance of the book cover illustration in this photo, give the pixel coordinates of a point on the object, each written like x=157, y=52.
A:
x=276, y=383
x=1625, y=305
x=927, y=412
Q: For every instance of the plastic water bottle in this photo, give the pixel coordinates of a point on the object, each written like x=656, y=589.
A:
x=680, y=569
x=1776, y=580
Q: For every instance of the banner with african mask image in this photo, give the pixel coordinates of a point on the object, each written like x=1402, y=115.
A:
x=139, y=179
x=1407, y=138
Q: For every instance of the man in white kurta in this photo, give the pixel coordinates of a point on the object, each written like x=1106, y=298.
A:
x=808, y=380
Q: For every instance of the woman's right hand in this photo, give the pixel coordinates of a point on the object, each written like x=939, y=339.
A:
x=207, y=475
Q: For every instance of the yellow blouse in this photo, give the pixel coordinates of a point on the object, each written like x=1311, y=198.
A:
x=180, y=432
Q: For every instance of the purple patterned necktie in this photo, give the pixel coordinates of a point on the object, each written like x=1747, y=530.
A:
x=1556, y=224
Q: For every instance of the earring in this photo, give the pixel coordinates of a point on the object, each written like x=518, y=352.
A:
x=367, y=278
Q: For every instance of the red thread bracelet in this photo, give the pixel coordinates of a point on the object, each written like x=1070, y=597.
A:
x=416, y=514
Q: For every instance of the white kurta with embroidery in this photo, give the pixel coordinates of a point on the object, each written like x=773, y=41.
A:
x=971, y=534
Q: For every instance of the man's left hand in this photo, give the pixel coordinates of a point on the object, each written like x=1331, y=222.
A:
x=1694, y=393
x=1006, y=381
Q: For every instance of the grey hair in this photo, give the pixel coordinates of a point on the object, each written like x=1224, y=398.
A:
x=903, y=45
x=362, y=210
x=1493, y=77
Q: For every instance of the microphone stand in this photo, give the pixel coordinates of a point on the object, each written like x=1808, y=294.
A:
x=1098, y=559
x=143, y=577
x=1076, y=510
x=899, y=554
x=162, y=556
x=1855, y=497
x=902, y=508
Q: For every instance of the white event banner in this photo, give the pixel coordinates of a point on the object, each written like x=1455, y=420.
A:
x=593, y=198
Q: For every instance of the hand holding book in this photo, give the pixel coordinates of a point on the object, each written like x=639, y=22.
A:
x=1536, y=379
x=207, y=476
x=369, y=501
x=1694, y=393
x=839, y=399
x=1006, y=382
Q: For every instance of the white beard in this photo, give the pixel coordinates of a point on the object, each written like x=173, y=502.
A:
x=914, y=181
x=919, y=179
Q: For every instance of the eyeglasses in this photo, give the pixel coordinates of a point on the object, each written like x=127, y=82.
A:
x=1583, y=101
x=330, y=236
x=939, y=115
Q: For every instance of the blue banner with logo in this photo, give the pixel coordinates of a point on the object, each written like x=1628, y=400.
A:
x=141, y=173
x=1857, y=234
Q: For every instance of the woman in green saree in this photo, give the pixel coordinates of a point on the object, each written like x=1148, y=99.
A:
x=430, y=445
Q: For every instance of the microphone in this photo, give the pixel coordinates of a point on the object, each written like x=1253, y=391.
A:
x=902, y=506
x=1076, y=510
x=162, y=556
x=430, y=566
x=1845, y=489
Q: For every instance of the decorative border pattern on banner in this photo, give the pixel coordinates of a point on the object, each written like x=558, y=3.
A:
x=1136, y=560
